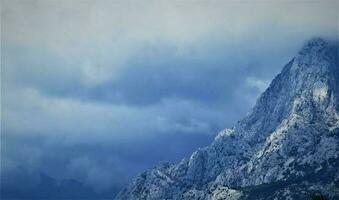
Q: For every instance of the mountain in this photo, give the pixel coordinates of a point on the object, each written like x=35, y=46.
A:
x=285, y=148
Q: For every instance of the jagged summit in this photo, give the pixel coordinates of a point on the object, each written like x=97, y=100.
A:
x=314, y=44
x=288, y=143
x=311, y=73
x=315, y=53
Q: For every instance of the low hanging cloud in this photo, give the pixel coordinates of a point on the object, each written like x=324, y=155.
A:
x=100, y=90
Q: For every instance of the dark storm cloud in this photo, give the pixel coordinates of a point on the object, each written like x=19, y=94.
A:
x=212, y=75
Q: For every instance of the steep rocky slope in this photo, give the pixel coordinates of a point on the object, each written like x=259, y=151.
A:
x=286, y=148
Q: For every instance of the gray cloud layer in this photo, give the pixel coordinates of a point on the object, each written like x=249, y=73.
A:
x=100, y=90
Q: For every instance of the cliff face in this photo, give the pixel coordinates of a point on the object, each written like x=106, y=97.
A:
x=287, y=147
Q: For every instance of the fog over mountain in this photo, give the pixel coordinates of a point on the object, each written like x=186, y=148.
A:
x=95, y=92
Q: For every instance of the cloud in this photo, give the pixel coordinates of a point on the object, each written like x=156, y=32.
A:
x=74, y=119
x=62, y=136
x=260, y=85
x=65, y=24
x=156, y=73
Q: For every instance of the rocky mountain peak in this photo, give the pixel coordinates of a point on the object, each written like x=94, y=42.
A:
x=314, y=45
x=308, y=82
x=318, y=59
x=288, y=143
x=317, y=55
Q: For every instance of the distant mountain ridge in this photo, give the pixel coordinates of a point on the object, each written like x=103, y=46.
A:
x=52, y=188
x=285, y=148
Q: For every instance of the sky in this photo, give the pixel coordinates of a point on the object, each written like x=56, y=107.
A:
x=98, y=91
